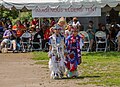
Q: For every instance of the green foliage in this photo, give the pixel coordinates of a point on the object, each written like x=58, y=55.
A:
x=15, y=15
x=9, y=14
x=25, y=15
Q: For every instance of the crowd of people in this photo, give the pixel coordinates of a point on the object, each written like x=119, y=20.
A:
x=13, y=33
x=64, y=40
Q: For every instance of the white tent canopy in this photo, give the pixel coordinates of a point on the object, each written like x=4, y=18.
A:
x=25, y=5
x=31, y=4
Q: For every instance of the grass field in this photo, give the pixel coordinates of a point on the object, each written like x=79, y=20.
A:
x=99, y=68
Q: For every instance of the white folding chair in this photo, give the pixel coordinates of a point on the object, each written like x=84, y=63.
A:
x=86, y=46
x=101, y=41
x=25, y=41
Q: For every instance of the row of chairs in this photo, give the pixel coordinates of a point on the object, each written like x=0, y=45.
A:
x=100, y=41
x=25, y=44
x=29, y=45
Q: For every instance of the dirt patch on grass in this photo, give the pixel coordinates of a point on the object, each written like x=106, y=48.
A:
x=19, y=70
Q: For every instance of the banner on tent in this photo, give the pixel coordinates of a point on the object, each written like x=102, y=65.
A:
x=82, y=11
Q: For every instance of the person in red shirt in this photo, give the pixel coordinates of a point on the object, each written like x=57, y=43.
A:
x=47, y=34
x=35, y=22
x=19, y=28
x=46, y=38
x=52, y=22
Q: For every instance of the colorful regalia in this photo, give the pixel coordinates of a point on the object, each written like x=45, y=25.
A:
x=73, y=58
x=56, y=62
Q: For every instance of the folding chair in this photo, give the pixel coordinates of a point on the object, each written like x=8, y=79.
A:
x=36, y=45
x=25, y=41
x=46, y=48
x=101, y=41
x=86, y=46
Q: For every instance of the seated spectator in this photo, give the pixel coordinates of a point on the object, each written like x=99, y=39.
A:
x=103, y=28
x=35, y=22
x=46, y=37
x=37, y=37
x=26, y=23
x=19, y=28
x=45, y=24
x=9, y=36
x=1, y=27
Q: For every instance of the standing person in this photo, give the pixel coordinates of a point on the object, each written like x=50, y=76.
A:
x=76, y=23
x=56, y=54
x=118, y=40
x=52, y=22
x=68, y=30
x=73, y=44
x=91, y=32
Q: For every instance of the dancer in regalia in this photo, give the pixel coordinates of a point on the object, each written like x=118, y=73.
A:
x=56, y=54
x=74, y=44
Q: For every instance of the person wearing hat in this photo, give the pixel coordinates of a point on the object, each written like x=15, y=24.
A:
x=56, y=54
x=73, y=43
x=9, y=36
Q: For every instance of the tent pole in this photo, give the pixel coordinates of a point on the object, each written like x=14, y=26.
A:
x=39, y=22
x=19, y=15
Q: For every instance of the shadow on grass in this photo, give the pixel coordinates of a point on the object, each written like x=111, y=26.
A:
x=81, y=77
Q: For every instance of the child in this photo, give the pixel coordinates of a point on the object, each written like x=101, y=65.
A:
x=56, y=54
x=74, y=44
